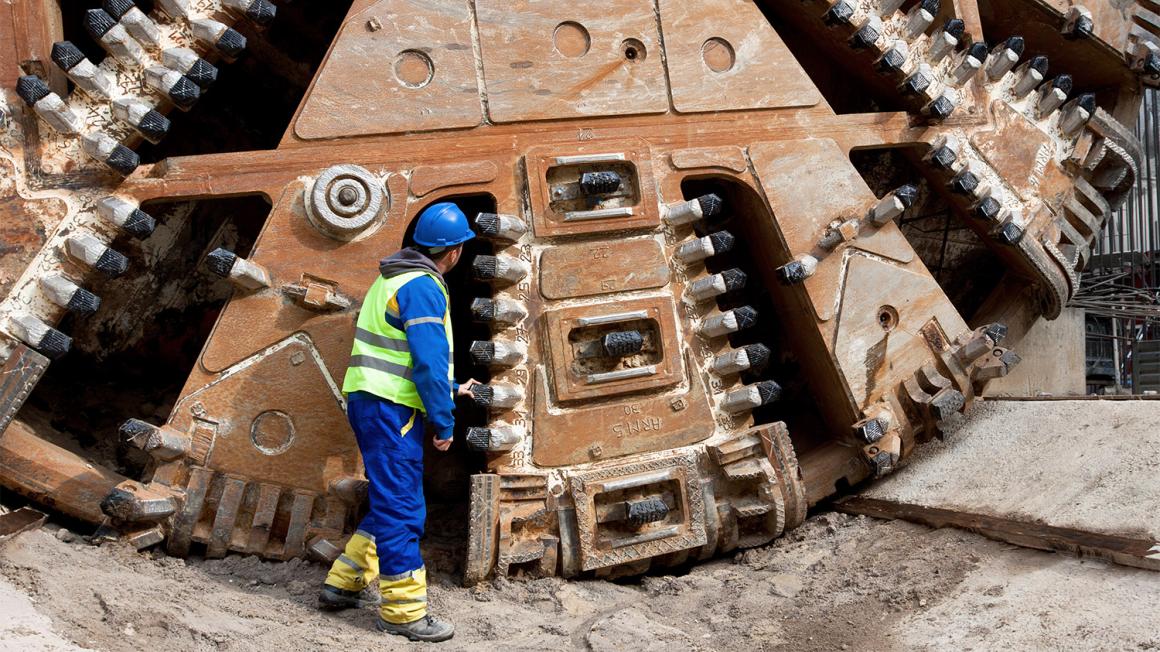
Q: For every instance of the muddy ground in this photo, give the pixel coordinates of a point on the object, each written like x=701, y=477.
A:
x=836, y=583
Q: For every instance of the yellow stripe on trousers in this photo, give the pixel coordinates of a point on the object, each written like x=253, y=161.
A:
x=358, y=565
x=404, y=597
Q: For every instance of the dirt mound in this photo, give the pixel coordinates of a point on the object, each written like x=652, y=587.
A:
x=836, y=583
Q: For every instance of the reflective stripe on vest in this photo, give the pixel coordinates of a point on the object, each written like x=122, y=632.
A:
x=380, y=359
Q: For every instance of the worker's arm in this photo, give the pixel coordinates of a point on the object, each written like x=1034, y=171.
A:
x=421, y=309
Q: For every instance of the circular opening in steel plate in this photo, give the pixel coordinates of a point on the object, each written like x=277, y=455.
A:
x=887, y=318
x=718, y=54
x=633, y=50
x=414, y=69
x=571, y=39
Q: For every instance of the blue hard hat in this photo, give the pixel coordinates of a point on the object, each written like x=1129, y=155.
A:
x=442, y=225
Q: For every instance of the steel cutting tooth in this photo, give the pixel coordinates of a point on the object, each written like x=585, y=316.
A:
x=620, y=344
x=228, y=42
x=107, y=150
x=686, y=212
x=127, y=215
x=174, y=8
x=114, y=38
x=141, y=117
x=1053, y=95
x=497, y=311
x=750, y=397
x=750, y=358
x=970, y=64
x=241, y=272
x=1144, y=57
x=188, y=63
x=886, y=8
x=921, y=17
x=39, y=335
x=988, y=209
x=839, y=13
x=1008, y=233
x=1077, y=113
x=498, y=353
x=499, y=268
x=500, y=227
x=942, y=106
x=730, y=321
x=180, y=90
x=87, y=249
x=135, y=22
x=894, y=59
x=893, y=205
x=698, y=249
x=966, y=182
x=260, y=12
x=92, y=81
x=919, y=81
x=944, y=153
x=1079, y=23
x=946, y=39
x=1030, y=75
x=868, y=34
x=1004, y=57
x=798, y=270
x=496, y=439
x=48, y=105
x=603, y=182
x=501, y=396
x=68, y=295
x=730, y=280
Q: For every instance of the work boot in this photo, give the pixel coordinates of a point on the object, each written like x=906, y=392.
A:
x=427, y=629
x=335, y=599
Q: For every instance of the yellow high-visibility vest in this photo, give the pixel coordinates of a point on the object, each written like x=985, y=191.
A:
x=380, y=361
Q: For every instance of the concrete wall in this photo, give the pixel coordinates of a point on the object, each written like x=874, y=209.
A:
x=1053, y=360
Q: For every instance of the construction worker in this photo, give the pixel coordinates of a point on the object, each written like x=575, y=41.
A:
x=400, y=378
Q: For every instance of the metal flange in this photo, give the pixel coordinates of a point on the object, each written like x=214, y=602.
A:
x=346, y=200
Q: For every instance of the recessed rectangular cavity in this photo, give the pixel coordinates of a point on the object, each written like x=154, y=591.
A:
x=597, y=352
x=575, y=191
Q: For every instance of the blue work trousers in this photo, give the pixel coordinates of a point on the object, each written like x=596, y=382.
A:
x=390, y=437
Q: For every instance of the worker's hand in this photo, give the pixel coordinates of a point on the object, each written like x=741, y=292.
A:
x=442, y=444
x=465, y=388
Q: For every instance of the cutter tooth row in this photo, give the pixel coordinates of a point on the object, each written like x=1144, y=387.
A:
x=133, y=39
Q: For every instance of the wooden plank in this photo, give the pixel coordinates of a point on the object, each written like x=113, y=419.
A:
x=1071, y=476
x=21, y=520
x=1139, y=552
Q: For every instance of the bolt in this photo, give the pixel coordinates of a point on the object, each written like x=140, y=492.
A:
x=347, y=196
x=595, y=450
x=374, y=24
x=297, y=358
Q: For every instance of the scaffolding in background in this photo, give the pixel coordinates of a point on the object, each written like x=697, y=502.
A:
x=1120, y=291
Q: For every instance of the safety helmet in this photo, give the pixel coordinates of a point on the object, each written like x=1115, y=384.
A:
x=442, y=225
